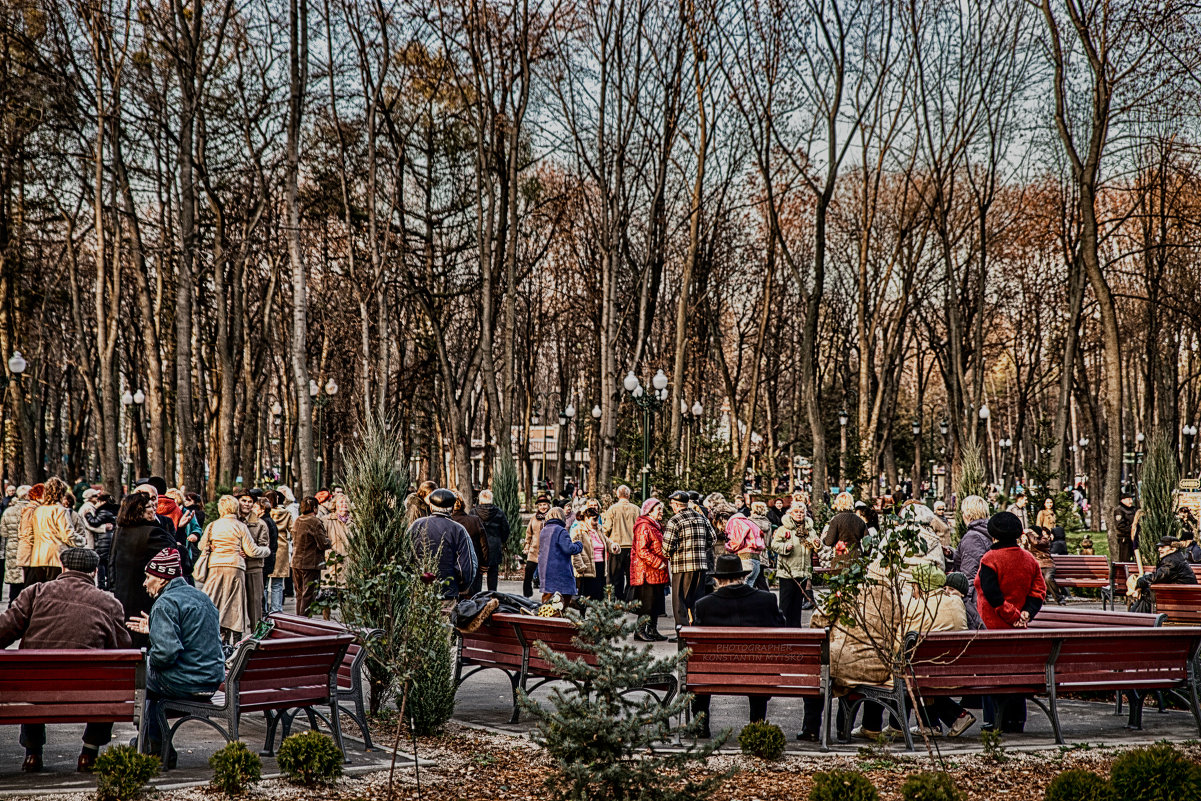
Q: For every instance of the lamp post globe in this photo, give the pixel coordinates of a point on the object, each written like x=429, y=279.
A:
x=697, y=409
x=17, y=363
x=596, y=412
x=139, y=397
x=631, y=381
x=984, y=412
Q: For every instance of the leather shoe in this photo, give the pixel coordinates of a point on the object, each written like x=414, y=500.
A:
x=87, y=759
x=808, y=736
x=654, y=636
x=32, y=763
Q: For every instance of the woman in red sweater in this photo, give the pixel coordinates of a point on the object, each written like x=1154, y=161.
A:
x=1009, y=592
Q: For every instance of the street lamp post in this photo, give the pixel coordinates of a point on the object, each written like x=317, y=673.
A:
x=917, y=459
x=1190, y=434
x=1139, y=439
x=565, y=418
x=16, y=366
x=985, y=414
x=843, y=417
x=649, y=403
x=943, y=425
x=1005, y=444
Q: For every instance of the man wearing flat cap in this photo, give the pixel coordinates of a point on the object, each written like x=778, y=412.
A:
x=735, y=603
x=688, y=545
x=69, y=612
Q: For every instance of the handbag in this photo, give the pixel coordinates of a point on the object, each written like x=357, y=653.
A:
x=200, y=570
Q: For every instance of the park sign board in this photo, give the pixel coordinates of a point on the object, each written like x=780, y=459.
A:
x=1190, y=495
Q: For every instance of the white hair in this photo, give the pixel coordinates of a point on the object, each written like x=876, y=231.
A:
x=918, y=512
x=623, y=491
x=974, y=508
x=486, y=496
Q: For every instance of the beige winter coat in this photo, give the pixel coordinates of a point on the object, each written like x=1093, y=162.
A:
x=860, y=654
x=283, y=551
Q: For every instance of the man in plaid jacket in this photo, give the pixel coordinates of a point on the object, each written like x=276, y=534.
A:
x=688, y=545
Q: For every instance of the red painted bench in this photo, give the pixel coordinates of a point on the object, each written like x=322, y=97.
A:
x=508, y=643
x=750, y=661
x=1081, y=571
x=1045, y=662
x=350, y=672
x=272, y=676
x=1178, y=603
x=1122, y=570
x=1066, y=617
x=72, y=686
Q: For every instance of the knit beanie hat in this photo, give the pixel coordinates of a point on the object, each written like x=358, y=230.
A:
x=83, y=560
x=928, y=577
x=649, y=505
x=1004, y=527
x=959, y=582
x=165, y=564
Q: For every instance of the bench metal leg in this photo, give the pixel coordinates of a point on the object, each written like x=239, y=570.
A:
x=335, y=721
x=827, y=703
x=1194, y=704
x=516, y=681
x=1053, y=713
x=273, y=719
x=359, y=716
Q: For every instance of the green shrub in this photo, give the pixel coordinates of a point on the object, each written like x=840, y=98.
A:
x=842, y=785
x=310, y=759
x=764, y=740
x=1157, y=773
x=123, y=773
x=931, y=787
x=235, y=768
x=1079, y=785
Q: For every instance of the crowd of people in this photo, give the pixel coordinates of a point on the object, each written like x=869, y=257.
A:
x=709, y=560
x=150, y=571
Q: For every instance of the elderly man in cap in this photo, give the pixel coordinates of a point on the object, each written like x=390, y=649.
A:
x=688, y=545
x=439, y=535
x=735, y=603
x=69, y=612
x=531, y=546
x=185, y=658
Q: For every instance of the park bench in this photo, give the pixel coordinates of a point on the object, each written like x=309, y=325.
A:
x=1122, y=570
x=72, y=686
x=1046, y=662
x=1178, y=603
x=507, y=642
x=758, y=661
x=1081, y=572
x=350, y=672
x=1061, y=617
x=273, y=676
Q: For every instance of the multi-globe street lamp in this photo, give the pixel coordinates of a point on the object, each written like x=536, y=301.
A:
x=649, y=402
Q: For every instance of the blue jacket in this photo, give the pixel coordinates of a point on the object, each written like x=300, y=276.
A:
x=185, y=640
x=450, y=543
x=555, y=549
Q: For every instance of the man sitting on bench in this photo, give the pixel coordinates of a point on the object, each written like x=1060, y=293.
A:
x=1172, y=568
x=68, y=612
x=185, y=658
x=735, y=603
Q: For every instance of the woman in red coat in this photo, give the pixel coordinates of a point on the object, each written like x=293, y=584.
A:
x=648, y=568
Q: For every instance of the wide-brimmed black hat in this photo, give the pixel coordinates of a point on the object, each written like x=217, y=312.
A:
x=729, y=566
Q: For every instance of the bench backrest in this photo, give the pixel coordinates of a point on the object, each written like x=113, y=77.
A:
x=991, y=661
x=1127, y=657
x=1179, y=603
x=70, y=686
x=493, y=644
x=1053, y=617
x=293, y=625
x=286, y=671
x=554, y=632
x=1081, y=566
x=725, y=660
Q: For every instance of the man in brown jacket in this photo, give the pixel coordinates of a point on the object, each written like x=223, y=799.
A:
x=618, y=523
x=309, y=544
x=69, y=612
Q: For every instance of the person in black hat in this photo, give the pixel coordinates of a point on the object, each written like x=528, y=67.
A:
x=1010, y=591
x=735, y=603
x=439, y=535
x=1123, y=519
x=1172, y=568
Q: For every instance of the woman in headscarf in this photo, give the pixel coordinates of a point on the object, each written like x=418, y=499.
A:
x=648, y=568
